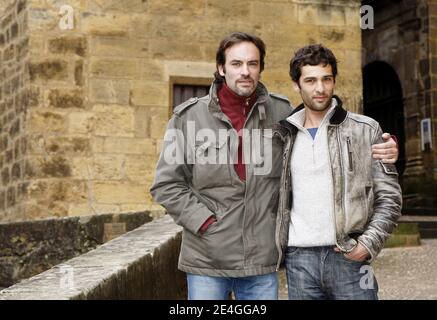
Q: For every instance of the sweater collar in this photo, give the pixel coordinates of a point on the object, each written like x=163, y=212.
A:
x=337, y=116
x=230, y=102
x=298, y=118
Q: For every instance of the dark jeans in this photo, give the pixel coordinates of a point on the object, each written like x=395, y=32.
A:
x=321, y=273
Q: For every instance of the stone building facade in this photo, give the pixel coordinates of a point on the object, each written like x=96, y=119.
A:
x=400, y=80
x=86, y=89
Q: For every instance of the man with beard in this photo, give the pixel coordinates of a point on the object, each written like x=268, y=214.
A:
x=228, y=208
x=327, y=157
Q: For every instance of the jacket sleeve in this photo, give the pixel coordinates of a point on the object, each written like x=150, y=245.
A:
x=387, y=204
x=171, y=186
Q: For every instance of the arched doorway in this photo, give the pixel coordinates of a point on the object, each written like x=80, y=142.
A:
x=383, y=102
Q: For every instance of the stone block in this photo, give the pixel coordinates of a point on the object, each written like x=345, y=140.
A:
x=9, y=53
x=108, y=25
x=80, y=209
x=2, y=200
x=68, y=44
x=6, y=176
x=141, y=119
x=46, y=121
x=308, y=14
x=167, y=49
x=43, y=19
x=37, y=45
x=60, y=98
x=129, y=6
x=129, y=146
x=67, y=145
x=158, y=124
x=16, y=171
x=108, y=167
x=22, y=191
x=120, y=47
x=149, y=93
x=112, y=193
x=110, y=91
x=9, y=156
x=140, y=168
x=78, y=73
x=81, y=122
x=7, y=19
x=126, y=208
x=14, y=30
x=15, y=128
x=178, y=8
x=352, y=16
x=274, y=12
x=22, y=48
x=97, y=144
x=67, y=190
x=114, y=121
x=82, y=168
x=221, y=9
x=11, y=197
x=37, y=188
x=48, y=70
x=118, y=68
x=56, y=166
x=113, y=230
x=21, y=5
x=432, y=9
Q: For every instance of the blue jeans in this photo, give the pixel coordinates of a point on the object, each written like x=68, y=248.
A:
x=263, y=287
x=321, y=273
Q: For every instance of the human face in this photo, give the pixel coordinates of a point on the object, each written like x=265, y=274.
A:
x=242, y=68
x=316, y=87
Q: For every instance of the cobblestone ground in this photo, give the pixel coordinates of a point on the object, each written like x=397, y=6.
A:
x=402, y=273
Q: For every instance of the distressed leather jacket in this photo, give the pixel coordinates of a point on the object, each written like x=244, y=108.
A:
x=367, y=195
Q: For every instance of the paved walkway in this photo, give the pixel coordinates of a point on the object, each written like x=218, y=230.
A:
x=403, y=273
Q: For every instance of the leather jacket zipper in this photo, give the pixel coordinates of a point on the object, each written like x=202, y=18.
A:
x=349, y=153
x=283, y=203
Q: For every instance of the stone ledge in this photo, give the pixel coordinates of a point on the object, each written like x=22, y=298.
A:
x=28, y=248
x=142, y=264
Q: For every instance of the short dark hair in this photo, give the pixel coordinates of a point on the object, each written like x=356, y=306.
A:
x=232, y=39
x=313, y=55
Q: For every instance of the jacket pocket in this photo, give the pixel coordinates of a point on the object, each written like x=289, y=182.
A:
x=211, y=168
x=210, y=204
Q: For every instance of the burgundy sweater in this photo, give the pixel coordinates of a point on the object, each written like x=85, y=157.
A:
x=236, y=108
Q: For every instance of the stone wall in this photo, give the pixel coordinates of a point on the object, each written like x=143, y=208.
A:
x=404, y=38
x=141, y=264
x=13, y=106
x=31, y=247
x=99, y=94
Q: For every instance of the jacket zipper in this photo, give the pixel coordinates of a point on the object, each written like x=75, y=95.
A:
x=243, y=233
x=333, y=195
x=349, y=152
